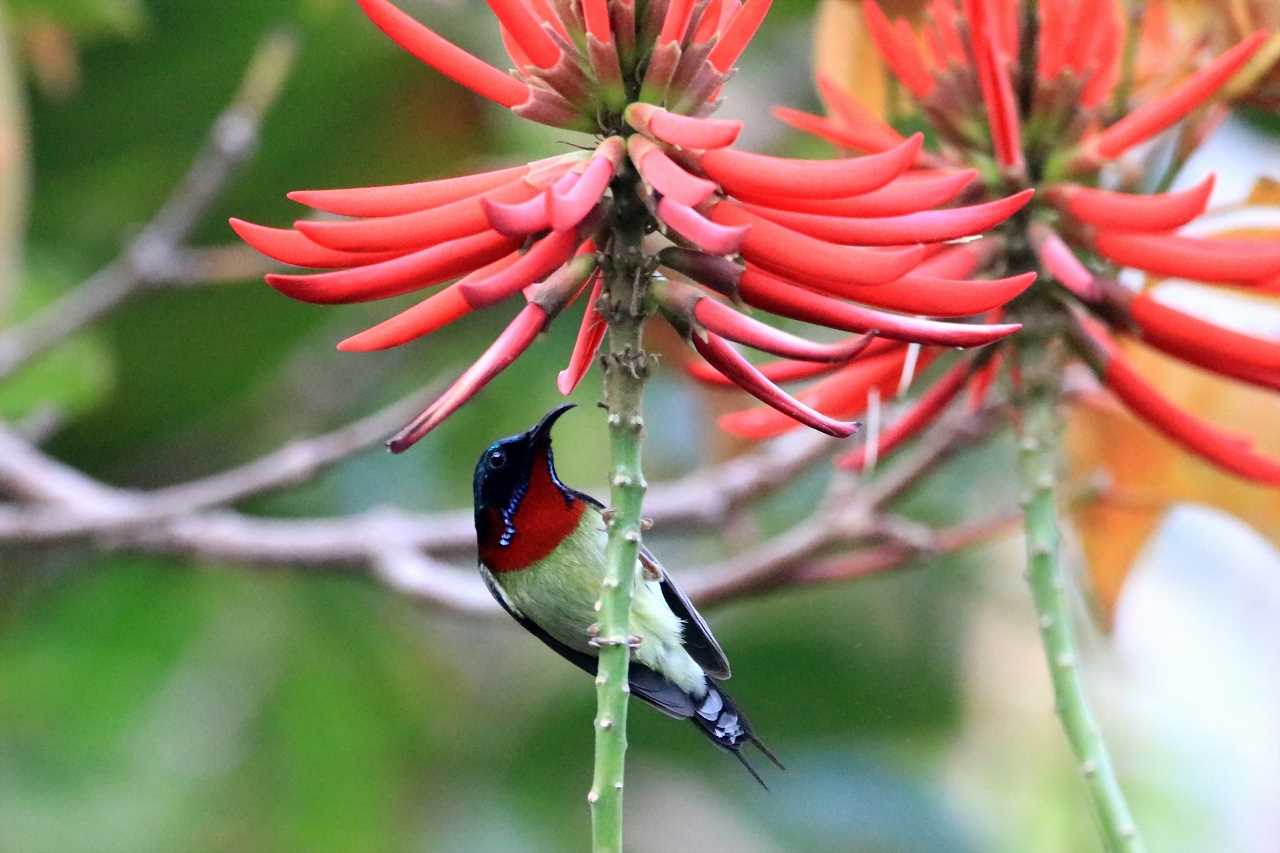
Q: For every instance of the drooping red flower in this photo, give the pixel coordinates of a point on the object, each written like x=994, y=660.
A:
x=860, y=251
x=1048, y=103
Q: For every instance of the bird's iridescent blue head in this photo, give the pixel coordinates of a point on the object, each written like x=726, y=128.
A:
x=503, y=470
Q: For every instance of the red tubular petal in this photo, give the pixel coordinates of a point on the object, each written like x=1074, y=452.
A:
x=843, y=394
x=676, y=21
x=930, y=226
x=1131, y=212
x=527, y=31
x=774, y=371
x=1217, y=346
x=914, y=72
x=590, y=335
x=428, y=316
x=702, y=232
x=515, y=52
x=665, y=175
x=291, y=247
x=509, y=346
x=1230, y=451
x=414, y=230
x=943, y=297
x=787, y=300
x=728, y=323
x=980, y=383
x=760, y=174
x=570, y=205
x=1053, y=33
x=895, y=54
x=738, y=33
x=596, y=16
x=1061, y=263
x=546, y=255
x=837, y=134
x=904, y=195
x=444, y=56
x=854, y=117
x=405, y=198
x=1108, y=50
x=1201, y=259
x=400, y=275
x=921, y=413
x=526, y=217
x=547, y=13
x=728, y=361
x=709, y=24
x=960, y=261
x=825, y=264
x=997, y=93
x=684, y=131
x=1154, y=116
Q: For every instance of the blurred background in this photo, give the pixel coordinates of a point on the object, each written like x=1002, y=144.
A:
x=161, y=705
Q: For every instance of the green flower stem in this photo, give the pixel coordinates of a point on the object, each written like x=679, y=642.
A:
x=1038, y=461
x=626, y=367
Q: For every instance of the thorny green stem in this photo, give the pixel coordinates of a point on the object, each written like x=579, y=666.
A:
x=626, y=367
x=1041, y=360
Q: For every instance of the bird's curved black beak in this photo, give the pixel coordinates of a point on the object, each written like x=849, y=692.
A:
x=542, y=432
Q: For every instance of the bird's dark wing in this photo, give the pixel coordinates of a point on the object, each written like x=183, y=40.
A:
x=699, y=642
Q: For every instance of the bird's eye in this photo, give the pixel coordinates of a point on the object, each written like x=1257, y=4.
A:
x=497, y=459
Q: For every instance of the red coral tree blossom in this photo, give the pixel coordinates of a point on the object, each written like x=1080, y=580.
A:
x=1045, y=96
x=662, y=216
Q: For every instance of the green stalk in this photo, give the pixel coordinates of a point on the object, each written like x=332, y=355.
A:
x=1042, y=362
x=626, y=367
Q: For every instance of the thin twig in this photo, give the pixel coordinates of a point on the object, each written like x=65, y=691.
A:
x=157, y=256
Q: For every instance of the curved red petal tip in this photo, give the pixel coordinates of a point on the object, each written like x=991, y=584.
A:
x=1208, y=344
x=708, y=236
x=816, y=262
x=509, y=346
x=444, y=56
x=1132, y=212
x=590, y=335
x=917, y=293
x=400, y=275
x=569, y=205
x=906, y=194
x=518, y=220
x=853, y=116
x=929, y=226
x=747, y=377
x=761, y=174
x=681, y=130
x=527, y=32
x=292, y=247
x=1061, y=263
x=844, y=394
x=544, y=258
x=1232, y=452
x=1157, y=115
x=960, y=261
x=731, y=324
x=665, y=175
x=428, y=316
x=738, y=33
x=413, y=230
x=405, y=198
x=921, y=413
x=1201, y=259
x=787, y=300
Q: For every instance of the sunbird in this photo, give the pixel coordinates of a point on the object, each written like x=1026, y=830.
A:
x=542, y=556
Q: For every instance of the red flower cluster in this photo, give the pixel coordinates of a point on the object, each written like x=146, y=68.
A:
x=849, y=244
x=1045, y=102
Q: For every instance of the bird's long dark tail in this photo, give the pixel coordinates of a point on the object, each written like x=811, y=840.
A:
x=717, y=717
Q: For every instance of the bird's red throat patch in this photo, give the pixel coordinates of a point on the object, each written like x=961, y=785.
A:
x=541, y=522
